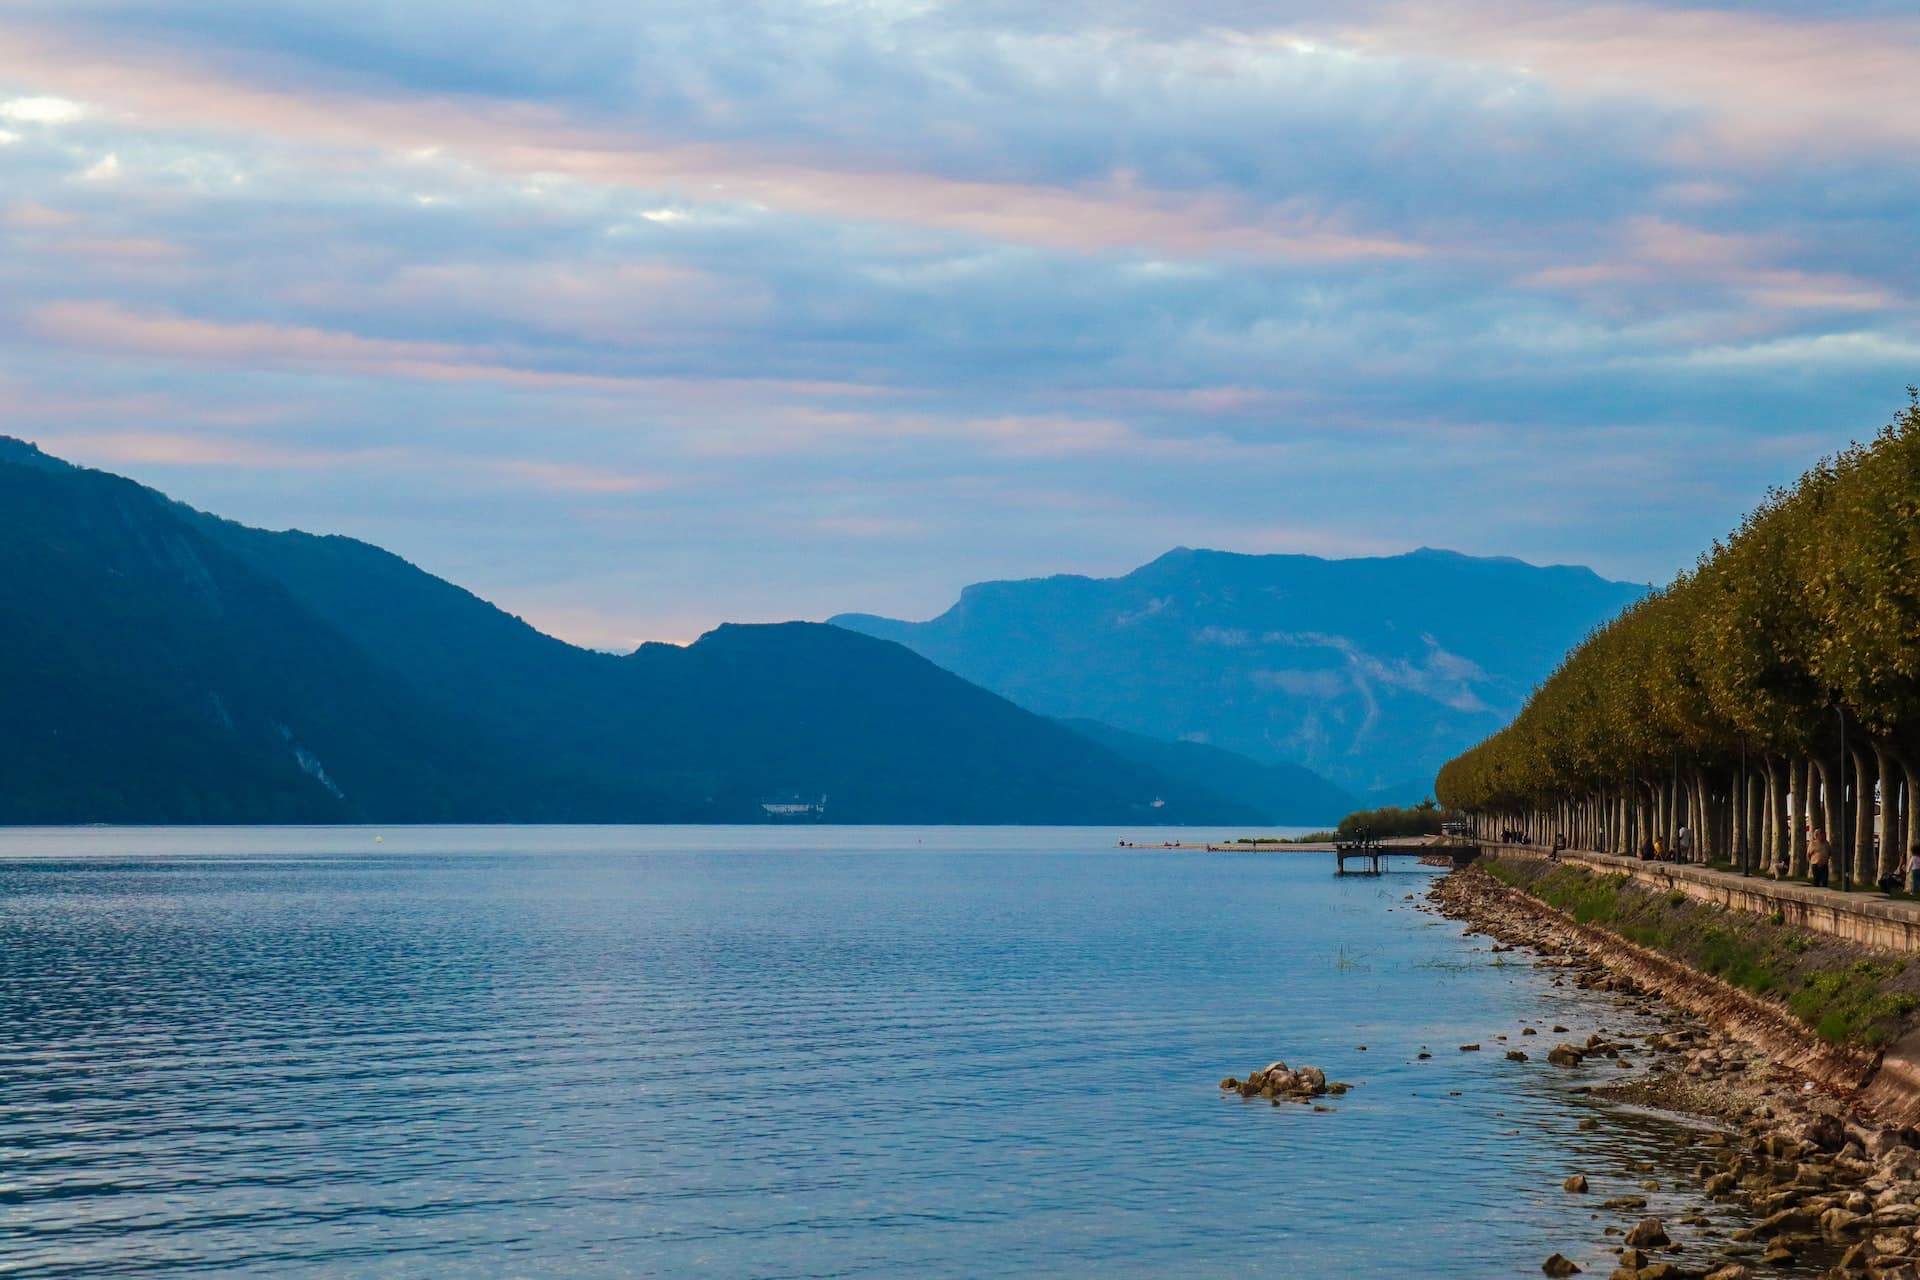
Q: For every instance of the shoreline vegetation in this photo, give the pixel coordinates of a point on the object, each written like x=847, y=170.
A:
x=1767, y=700
x=1770, y=1033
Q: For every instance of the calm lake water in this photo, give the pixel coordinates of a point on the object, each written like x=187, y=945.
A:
x=763, y=1052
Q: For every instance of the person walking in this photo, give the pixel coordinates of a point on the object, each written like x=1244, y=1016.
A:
x=1913, y=870
x=1819, y=856
x=1683, y=846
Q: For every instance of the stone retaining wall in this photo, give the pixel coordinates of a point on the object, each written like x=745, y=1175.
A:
x=1869, y=919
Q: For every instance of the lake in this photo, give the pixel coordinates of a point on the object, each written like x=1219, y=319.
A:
x=765, y=1052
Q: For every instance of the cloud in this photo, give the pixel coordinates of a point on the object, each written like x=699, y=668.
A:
x=956, y=291
x=1761, y=81
x=41, y=111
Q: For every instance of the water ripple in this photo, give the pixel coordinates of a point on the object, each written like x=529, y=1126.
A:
x=819, y=1053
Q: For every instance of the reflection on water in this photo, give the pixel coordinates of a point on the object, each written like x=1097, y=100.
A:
x=794, y=1052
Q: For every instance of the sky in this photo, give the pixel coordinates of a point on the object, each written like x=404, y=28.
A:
x=639, y=318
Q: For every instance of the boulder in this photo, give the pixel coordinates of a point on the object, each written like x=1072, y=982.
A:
x=1649, y=1233
x=1576, y=1183
x=1824, y=1133
x=1516, y=1055
x=1837, y=1221
x=1559, y=1265
x=1888, y=1243
x=1564, y=1055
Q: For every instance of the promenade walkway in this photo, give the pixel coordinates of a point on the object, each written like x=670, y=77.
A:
x=1870, y=918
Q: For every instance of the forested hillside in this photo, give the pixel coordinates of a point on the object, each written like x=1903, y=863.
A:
x=161, y=665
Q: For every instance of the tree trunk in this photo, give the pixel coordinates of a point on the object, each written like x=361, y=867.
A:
x=1738, y=822
x=1889, y=807
x=1860, y=842
x=1797, y=828
x=1830, y=803
x=1777, y=814
x=1770, y=824
x=1913, y=811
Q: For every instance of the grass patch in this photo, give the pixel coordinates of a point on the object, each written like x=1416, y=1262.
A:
x=1845, y=993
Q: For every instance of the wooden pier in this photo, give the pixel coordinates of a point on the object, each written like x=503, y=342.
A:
x=1374, y=852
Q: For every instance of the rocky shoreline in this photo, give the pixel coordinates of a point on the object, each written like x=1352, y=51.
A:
x=1824, y=1184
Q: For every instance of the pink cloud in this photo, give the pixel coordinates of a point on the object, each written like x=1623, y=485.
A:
x=1654, y=250
x=37, y=217
x=1765, y=81
x=96, y=325
x=159, y=448
x=1114, y=213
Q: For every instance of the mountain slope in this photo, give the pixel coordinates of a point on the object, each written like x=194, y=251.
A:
x=158, y=664
x=1368, y=671
x=148, y=674
x=1282, y=794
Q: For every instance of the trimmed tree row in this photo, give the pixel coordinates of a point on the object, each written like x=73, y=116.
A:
x=1773, y=688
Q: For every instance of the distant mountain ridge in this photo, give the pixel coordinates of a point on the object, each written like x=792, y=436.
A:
x=1371, y=672
x=1283, y=794
x=158, y=664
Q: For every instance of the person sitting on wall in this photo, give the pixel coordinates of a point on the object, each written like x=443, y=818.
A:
x=1646, y=850
x=1894, y=880
x=1559, y=843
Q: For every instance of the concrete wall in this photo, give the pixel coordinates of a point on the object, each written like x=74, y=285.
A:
x=1867, y=918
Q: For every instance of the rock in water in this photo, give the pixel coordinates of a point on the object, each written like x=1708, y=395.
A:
x=1649, y=1233
x=1564, y=1055
x=1559, y=1265
x=1575, y=1183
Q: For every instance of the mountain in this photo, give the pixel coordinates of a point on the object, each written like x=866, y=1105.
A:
x=1282, y=794
x=158, y=664
x=1371, y=672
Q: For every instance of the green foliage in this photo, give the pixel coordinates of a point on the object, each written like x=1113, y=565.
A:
x=1848, y=1001
x=1422, y=819
x=1814, y=600
x=1850, y=1006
